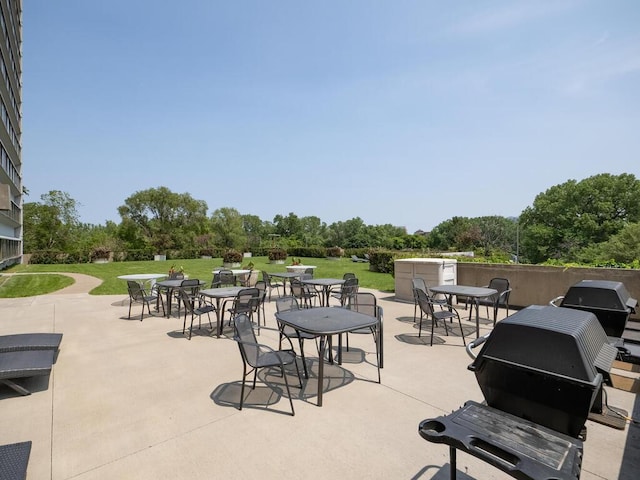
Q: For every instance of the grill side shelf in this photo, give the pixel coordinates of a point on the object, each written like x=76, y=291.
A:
x=518, y=447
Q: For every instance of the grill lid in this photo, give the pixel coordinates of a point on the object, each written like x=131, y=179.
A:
x=602, y=294
x=561, y=341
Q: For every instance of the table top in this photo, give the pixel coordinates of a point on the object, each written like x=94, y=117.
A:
x=174, y=283
x=143, y=276
x=324, y=281
x=222, y=292
x=286, y=274
x=299, y=267
x=325, y=320
x=464, y=290
x=235, y=271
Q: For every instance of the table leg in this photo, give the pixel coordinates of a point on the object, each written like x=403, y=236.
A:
x=219, y=316
x=321, y=369
x=169, y=294
x=477, y=317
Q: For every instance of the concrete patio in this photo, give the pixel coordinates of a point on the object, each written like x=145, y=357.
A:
x=137, y=400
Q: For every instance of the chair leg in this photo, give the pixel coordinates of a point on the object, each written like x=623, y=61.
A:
x=244, y=376
x=304, y=360
x=286, y=383
x=433, y=321
x=129, y=316
x=462, y=332
x=420, y=326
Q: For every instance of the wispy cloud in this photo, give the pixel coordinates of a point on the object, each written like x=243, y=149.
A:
x=509, y=16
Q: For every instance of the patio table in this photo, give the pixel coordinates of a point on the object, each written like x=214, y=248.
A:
x=286, y=276
x=219, y=294
x=466, y=291
x=324, y=322
x=143, y=277
x=169, y=286
x=326, y=284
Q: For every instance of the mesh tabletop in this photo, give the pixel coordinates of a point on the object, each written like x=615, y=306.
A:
x=28, y=363
x=14, y=459
x=30, y=341
x=325, y=320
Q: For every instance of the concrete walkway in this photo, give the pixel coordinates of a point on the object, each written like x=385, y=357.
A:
x=131, y=399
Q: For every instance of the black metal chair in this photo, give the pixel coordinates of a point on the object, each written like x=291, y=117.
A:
x=262, y=288
x=190, y=307
x=137, y=294
x=366, y=303
x=348, y=290
x=191, y=286
x=304, y=293
x=246, y=301
x=284, y=304
x=271, y=284
x=428, y=309
x=224, y=278
x=500, y=299
x=257, y=356
x=335, y=290
x=420, y=284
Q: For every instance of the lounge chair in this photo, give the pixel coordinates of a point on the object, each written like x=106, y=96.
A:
x=22, y=364
x=14, y=459
x=30, y=341
x=355, y=258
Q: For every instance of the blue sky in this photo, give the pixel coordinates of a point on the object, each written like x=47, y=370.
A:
x=400, y=112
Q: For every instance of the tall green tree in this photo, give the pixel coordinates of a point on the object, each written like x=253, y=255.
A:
x=164, y=219
x=228, y=228
x=51, y=223
x=571, y=216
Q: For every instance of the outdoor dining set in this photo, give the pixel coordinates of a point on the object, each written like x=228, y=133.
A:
x=307, y=308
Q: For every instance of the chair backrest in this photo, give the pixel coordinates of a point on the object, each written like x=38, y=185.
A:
x=309, y=271
x=216, y=280
x=186, y=300
x=266, y=278
x=136, y=292
x=501, y=285
x=261, y=285
x=247, y=298
x=365, y=303
x=419, y=283
x=191, y=285
x=284, y=304
x=227, y=277
x=348, y=290
x=425, y=303
x=306, y=276
x=297, y=288
x=246, y=338
x=348, y=275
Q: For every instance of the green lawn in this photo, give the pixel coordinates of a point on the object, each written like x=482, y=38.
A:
x=29, y=285
x=202, y=269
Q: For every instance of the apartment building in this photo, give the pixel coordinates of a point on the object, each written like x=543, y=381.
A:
x=11, y=189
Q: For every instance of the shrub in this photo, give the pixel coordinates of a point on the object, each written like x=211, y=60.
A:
x=232, y=256
x=335, y=252
x=277, y=254
x=100, y=252
x=381, y=261
x=307, y=252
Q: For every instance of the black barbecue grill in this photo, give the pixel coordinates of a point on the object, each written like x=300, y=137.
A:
x=609, y=301
x=541, y=371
